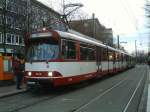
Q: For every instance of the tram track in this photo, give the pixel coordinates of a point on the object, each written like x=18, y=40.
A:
x=97, y=97
x=126, y=108
x=38, y=98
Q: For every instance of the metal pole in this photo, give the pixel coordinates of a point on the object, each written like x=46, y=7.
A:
x=93, y=17
x=118, y=41
x=4, y=25
x=28, y=16
x=135, y=50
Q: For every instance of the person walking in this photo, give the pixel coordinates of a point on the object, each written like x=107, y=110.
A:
x=18, y=70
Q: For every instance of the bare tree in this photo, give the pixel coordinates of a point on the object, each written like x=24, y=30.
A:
x=147, y=9
x=4, y=24
x=68, y=10
x=79, y=15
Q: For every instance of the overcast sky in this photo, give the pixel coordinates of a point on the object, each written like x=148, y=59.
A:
x=125, y=17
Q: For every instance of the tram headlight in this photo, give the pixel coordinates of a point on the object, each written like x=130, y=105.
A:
x=50, y=74
x=29, y=73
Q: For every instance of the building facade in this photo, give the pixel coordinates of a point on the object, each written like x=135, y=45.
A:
x=12, y=25
x=93, y=28
x=18, y=17
x=43, y=16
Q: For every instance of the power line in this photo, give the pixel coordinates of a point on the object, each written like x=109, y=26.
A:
x=131, y=15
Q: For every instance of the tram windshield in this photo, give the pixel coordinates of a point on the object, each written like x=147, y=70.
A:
x=43, y=51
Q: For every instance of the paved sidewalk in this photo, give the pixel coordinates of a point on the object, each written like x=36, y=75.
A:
x=148, y=99
x=10, y=90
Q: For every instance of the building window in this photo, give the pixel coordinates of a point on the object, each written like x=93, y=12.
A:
x=1, y=3
x=8, y=38
x=17, y=40
x=9, y=21
x=1, y=38
x=13, y=39
x=9, y=5
x=21, y=40
x=1, y=22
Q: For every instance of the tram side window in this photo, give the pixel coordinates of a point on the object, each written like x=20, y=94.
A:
x=83, y=53
x=118, y=56
x=111, y=55
x=91, y=54
x=123, y=57
x=87, y=53
x=68, y=49
x=104, y=54
x=127, y=58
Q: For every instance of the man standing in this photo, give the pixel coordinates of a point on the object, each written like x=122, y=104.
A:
x=18, y=70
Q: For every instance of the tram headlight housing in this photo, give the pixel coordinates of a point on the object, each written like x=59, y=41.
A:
x=29, y=73
x=50, y=74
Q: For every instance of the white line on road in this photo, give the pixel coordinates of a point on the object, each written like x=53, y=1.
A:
x=96, y=98
x=133, y=94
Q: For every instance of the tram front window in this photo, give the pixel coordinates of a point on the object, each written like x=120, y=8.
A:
x=42, y=51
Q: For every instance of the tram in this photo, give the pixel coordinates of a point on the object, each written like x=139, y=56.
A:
x=60, y=58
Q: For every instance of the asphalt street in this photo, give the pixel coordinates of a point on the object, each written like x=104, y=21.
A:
x=118, y=93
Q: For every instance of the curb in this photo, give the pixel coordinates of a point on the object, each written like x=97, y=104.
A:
x=148, y=103
x=12, y=93
x=144, y=96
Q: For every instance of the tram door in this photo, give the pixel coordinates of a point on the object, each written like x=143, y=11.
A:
x=98, y=59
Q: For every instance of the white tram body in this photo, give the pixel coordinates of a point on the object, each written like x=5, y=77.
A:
x=62, y=58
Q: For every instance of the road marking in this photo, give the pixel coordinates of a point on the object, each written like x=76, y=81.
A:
x=96, y=98
x=66, y=99
x=133, y=94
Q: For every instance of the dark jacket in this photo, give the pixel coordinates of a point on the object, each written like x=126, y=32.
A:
x=17, y=66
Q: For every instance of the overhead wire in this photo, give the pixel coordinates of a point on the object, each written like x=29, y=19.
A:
x=131, y=15
x=136, y=22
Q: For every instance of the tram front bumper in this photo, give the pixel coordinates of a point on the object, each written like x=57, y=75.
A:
x=31, y=81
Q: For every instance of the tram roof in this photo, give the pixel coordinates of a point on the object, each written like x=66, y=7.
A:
x=83, y=38
x=71, y=34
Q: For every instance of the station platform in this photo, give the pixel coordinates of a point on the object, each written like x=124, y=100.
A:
x=148, y=99
x=10, y=90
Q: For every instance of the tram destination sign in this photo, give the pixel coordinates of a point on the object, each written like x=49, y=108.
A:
x=41, y=34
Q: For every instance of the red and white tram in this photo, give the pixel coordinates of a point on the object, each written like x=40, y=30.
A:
x=62, y=58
